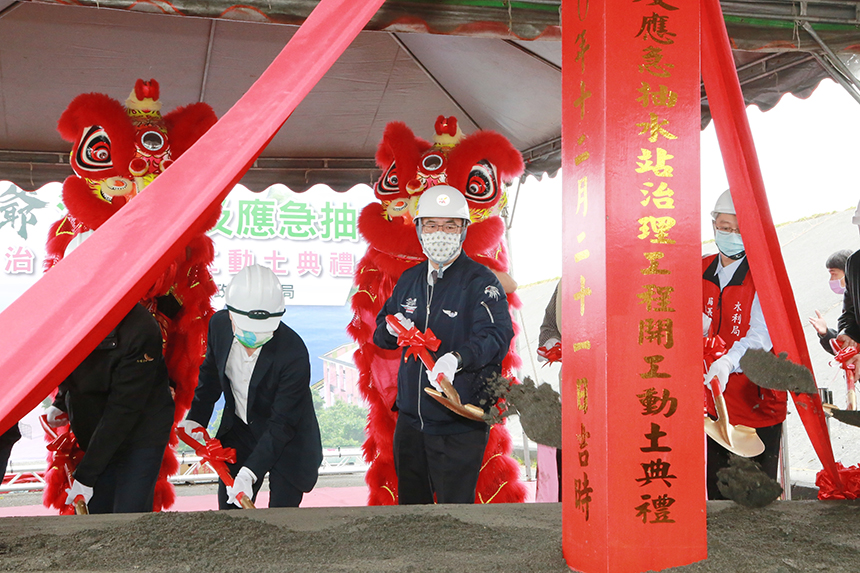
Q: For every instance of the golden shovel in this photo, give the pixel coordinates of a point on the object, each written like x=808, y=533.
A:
x=451, y=400
x=740, y=440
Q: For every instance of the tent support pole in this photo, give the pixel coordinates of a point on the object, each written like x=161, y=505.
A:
x=208, y=61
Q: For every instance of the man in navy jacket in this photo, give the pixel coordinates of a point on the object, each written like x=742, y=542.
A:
x=262, y=368
x=435, y=450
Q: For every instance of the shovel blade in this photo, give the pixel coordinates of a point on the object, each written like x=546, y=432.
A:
x=742, y=440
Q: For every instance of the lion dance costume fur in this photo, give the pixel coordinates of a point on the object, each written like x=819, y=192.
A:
x=117, y=151
x=474, y=164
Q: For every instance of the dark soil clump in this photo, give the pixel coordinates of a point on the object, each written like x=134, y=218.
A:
x=744, y=482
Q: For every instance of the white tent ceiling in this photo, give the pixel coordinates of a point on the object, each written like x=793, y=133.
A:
x=475, y=65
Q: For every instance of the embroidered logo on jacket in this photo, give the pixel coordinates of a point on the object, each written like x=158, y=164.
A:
x=410, y=305
x=492, y=292
x=451, y=313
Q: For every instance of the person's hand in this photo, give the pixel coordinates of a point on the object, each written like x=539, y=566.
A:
x=706, y=324
x=56, y=417
x=190, y=426
x=445, y=365
x=542, y=351
x=720, y=369
x=845, y=341
x=818, y=323
x=78, y=489
x=404, y=322
x=243, y=483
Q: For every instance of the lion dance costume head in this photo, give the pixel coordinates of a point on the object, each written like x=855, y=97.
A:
x=477, y=164
x=117, y=150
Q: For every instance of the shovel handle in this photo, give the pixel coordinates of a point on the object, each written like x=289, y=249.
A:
x=81, y=506
x=246, y=502
x=722, y=410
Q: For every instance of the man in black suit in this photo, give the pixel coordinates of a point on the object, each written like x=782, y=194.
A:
x=263, y=370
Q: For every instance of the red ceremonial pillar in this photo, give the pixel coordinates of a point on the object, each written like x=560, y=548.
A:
x=633, y=437
x=725, y=99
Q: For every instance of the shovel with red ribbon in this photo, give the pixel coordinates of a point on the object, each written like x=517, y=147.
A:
x=842, y=356
x=217, y=456
x=417, y=344
x=740, y=440
x=67, y=456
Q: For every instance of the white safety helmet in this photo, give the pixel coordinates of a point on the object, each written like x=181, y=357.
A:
x=444, y=202
x=255, y=299
x=724, y=205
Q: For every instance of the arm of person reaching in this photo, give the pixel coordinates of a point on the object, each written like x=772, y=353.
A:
x=491, y=332
x=288, y=407
x=137, y=372
x=208, y=389
x=383, y=336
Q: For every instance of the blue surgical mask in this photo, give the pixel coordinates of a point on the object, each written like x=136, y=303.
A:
x=729, y=244
x=250, y=339
x=836, y=286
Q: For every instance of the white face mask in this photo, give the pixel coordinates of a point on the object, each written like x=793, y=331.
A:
x=440, y=247
x=729, y=244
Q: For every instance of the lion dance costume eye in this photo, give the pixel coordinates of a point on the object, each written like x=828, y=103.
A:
x=410, y=165
x=117, y=150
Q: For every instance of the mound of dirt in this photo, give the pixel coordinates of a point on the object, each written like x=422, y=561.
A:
x=782, y=537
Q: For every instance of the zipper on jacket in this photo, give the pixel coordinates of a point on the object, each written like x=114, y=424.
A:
x=493, y=320
x=426, y=326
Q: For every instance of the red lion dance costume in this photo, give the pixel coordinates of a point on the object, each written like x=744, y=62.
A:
x=118, y=151
x=475, y=164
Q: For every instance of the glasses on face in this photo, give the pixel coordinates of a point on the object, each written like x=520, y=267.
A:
x=727, y=229
x=432, y=227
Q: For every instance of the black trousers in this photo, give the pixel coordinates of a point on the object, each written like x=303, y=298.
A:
x=447, y=465
x=7, y=440
x=128, y=483
x=718, y=457
x=282, y=493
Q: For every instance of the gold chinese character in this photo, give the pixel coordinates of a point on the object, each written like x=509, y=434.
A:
x=582, y=157
x=662, y=196
x=653, y=56
x=582, y=395
x=579, y=102
x=659, y=331
x=658, y=166
x=662, y=96
x=656, y=298
x=654, y=266
x=660, y=226
x=582, y=195
x=582, y=46
x=654, y=27
x=654, y=128
x=581, y=294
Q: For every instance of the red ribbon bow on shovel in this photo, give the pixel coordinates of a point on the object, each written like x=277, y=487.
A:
x=418, y=343
x=67, y=456
x=217, y=457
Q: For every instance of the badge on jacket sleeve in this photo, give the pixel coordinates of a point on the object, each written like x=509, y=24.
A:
x=492, y=292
